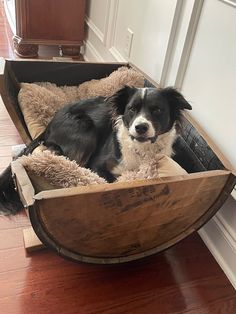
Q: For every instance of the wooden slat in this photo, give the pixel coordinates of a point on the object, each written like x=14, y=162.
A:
x=24, y=185
x=31, y=241
x=128, y=220
x=7, y=99
x=64, y=192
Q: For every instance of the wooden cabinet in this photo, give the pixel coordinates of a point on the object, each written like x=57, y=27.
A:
x=49, y=22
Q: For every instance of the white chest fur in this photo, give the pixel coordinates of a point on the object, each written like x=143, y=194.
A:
x=135, y=153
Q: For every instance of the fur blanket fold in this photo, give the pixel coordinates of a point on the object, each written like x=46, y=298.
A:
x=49, y=171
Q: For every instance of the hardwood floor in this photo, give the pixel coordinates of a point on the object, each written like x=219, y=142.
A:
x=184, y=279
x=8, y=133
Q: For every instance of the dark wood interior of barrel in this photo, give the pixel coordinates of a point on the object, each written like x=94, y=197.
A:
x=60, y=73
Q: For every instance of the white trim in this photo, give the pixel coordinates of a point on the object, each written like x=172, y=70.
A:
x=101, y=36
x=107, y=19
x=171, y=42
x=233, y=193
x=94, y=28
x=104, y=42
x=91, y=53
x=111, y=33
x=229, y=2
x=107, y=38
x=193, y=24
x=11, y=17
x=228, y=232
x=117, y=55
x=222, y=245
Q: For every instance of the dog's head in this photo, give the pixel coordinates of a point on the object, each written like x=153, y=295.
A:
x=149, y=112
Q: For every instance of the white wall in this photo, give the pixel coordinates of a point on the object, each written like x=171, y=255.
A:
x=153, y=23
x=210, y=79
x=10, y=11
x=210, y=85
x=190, y=44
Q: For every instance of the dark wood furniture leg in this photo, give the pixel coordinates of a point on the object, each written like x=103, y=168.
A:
x=25, y=50
x=70, y=50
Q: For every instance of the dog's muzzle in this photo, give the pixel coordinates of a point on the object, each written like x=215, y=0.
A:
x=143, y=139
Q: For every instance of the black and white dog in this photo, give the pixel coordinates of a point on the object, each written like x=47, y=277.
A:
x=109, y=135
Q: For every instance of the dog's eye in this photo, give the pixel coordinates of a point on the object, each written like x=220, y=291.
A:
x=132, y=109
x=158, y=111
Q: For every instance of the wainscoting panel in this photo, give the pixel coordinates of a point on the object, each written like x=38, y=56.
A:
x=101, y=31
x=220, y=238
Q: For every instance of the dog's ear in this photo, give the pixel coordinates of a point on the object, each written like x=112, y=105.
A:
x=121, y=98
x=175, y=99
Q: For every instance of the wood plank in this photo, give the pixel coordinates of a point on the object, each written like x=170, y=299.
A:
x=11, y=238
x=5, y=151
x=226, y=306
x=145, y=285
x=23, y=183
x=10, y=140
x=5, y=161
x=31, y=241
x=5, y=87
x=152, y=217
x=118, y=186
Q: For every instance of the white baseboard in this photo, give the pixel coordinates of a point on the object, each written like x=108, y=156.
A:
x=222, y=245
x=91, y=53
x=117, y=55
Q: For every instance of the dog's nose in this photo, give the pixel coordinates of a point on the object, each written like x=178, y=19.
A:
x=141, y=128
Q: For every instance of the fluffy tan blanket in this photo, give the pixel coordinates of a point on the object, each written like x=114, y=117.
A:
x=40, y=101
x=49, y=171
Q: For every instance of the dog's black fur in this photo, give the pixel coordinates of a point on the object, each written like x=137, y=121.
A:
x=85, y=131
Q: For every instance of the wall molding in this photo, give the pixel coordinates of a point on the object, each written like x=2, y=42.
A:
x=228, y=232
x=107, y=39
x=95, y=29
x=91, y=53
x=112, y=23
x=101, y=36
x=220, y=239
x=193, y=25
x=11, y=16
x=171, y=42
x=229, y=2
x=117, y=55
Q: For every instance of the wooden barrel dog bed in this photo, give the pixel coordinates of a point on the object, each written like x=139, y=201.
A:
x=119, y=222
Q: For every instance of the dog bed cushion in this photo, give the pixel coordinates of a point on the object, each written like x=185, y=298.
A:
x=49, y=171
x=39, y=101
